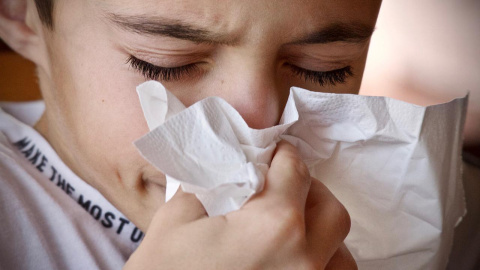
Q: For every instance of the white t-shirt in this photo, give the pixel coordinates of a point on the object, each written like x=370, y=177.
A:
x=50, y=218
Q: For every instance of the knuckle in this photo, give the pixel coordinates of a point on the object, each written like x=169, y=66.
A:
x=342, y=259
x=342, y=218
x=309, y=263
x=300, y=168
x=287, y=225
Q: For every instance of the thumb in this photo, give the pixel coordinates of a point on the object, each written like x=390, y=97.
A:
x=181, y=209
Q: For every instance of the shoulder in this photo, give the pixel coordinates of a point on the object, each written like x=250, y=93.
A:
x=42, y=226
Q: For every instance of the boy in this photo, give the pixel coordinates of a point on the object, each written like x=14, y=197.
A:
x=90, y=55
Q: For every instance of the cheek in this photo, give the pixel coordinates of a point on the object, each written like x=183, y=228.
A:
x=101, y=110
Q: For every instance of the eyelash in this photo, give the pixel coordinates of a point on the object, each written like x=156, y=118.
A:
x=323, y=78
x=154, y=72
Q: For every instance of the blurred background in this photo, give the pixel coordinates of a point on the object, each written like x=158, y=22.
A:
x=17, y=77
x=428, y=52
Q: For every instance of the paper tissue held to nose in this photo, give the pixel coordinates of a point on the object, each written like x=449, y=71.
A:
x=395, y=166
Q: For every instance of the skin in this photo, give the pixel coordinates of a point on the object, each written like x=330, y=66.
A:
x=93, y=114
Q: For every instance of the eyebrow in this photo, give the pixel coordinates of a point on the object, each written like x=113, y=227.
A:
x=159, y=26
x=339, y=32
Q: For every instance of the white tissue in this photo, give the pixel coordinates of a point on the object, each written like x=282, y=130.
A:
x=395, y=166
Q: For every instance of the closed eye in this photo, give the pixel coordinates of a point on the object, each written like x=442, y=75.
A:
x=166, y=74
x=323, y=78
x=154, y=72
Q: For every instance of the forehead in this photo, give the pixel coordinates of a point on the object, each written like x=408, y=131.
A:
x=235, y=16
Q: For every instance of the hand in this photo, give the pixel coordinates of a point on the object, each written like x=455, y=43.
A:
x=294, y=223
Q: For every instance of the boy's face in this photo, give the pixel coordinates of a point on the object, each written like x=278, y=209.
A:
x=248, y=52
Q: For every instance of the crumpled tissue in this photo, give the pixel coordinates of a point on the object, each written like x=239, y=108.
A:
x=395, y=166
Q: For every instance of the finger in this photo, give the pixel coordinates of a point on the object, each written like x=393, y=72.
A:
x=181, y=209
x=342, y=260
x=327, y=221
x=288, y=179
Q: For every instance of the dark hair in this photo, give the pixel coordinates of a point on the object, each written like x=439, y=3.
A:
x=45, y=12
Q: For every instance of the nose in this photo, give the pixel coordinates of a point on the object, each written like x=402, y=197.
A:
x=257, y=99
x=255, y=91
